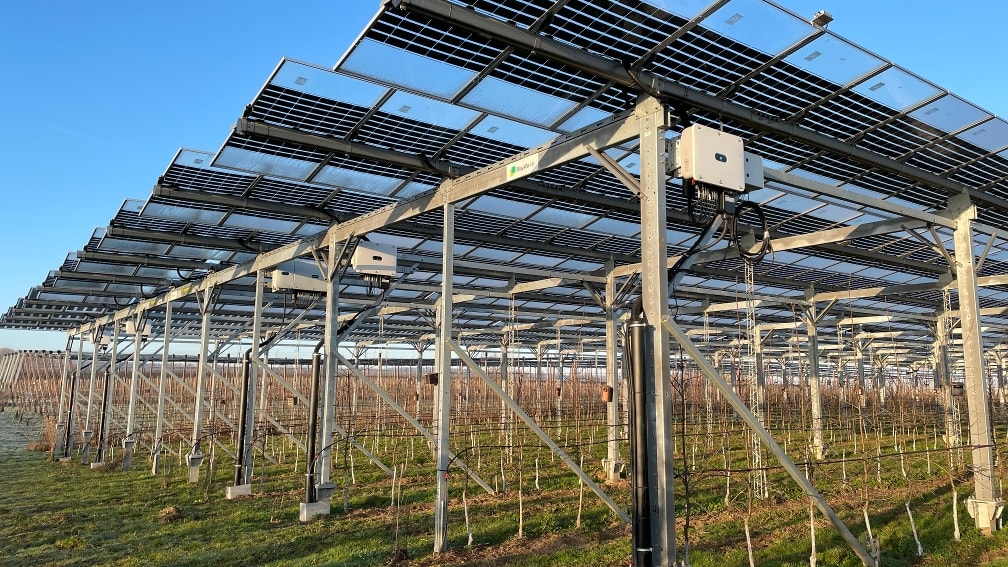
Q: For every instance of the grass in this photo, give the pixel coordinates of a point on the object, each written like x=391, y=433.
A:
x=67, y=514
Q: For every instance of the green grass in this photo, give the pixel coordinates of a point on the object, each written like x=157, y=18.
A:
x=67, y=514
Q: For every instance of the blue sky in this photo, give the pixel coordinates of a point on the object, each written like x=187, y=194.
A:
x=98, y=96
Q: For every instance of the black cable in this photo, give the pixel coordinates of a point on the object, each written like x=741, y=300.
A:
x=764, y=245
x=672, y=271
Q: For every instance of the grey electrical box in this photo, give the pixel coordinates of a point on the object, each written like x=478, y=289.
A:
x=712, y=157
x=299, y=275
x=374, y=259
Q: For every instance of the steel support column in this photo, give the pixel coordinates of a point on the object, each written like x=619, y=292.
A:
x=195, y=456
x=88, y=433
x=942, y=379
x=508, y=386
x=612, y=464
x=129, y=441
x=985, y=505
x=651, y=116
x=68, y=444
x=162, y=387
x=249, y=440
x=106, y=413
x=332, y=324
x=815, y=393
x=443, y=389
x=62, y=422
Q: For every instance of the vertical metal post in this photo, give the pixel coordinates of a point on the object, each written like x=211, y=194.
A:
x=612, y=462
x=507, y=386
x=942, y=378
x=311, y=446
x=332, y=324
x=68, y=444
x=88, y=432
x=984, y=506
x=62, y=423
x=162, y=386
x=253, y=377
x=859, y=361
x=195, y=456
x=539, y=376
x=129, y=440
x=443, y=390
x=110, y=378
x=420, y=346
x=651, y=115
x=815, y=393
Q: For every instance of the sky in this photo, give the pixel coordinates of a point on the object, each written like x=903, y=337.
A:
x=100, y=95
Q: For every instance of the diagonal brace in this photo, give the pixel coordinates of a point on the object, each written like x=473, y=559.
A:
x=462, y=354
x=754, y=424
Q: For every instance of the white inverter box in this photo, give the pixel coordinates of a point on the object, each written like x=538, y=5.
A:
x=371, y=258
x=299, y=275
x=712, y=157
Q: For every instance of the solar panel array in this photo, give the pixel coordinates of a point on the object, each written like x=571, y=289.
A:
x=416, y=100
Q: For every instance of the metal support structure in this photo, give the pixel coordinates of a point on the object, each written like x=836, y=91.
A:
x=88, y=433
x=110, y=378
x=332, y=274
x=508, y=386
x=651, y=117
x=206, y=302
x=740, y=407
x=985, y=506
x=815, y=392
x=130, y=440
x=942, y=377
x=68, y=442
x=859, y=361
x=442, y=423
x=639, y=355
x=613, y=465
x=62, y=411
x=249, y=440
x=162, y=387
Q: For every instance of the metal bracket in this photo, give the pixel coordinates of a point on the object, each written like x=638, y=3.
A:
x=625, y=177
x=986, y=513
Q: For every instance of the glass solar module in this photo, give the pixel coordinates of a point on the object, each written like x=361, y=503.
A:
x=423, y=88
x=835, y=59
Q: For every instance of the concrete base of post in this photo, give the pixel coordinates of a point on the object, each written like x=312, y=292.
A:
x=311, y=509
x=614, y=469
x=155, y=460
x=323, y=492
x=237, y=491
x=58, y=446
x=194, y=460
x=86, y=452
x=987, y=514
x=128, y=453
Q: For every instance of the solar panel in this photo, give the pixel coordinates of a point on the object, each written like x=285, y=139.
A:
x=422, y=93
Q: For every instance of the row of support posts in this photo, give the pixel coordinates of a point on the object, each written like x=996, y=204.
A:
x=651, y=116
